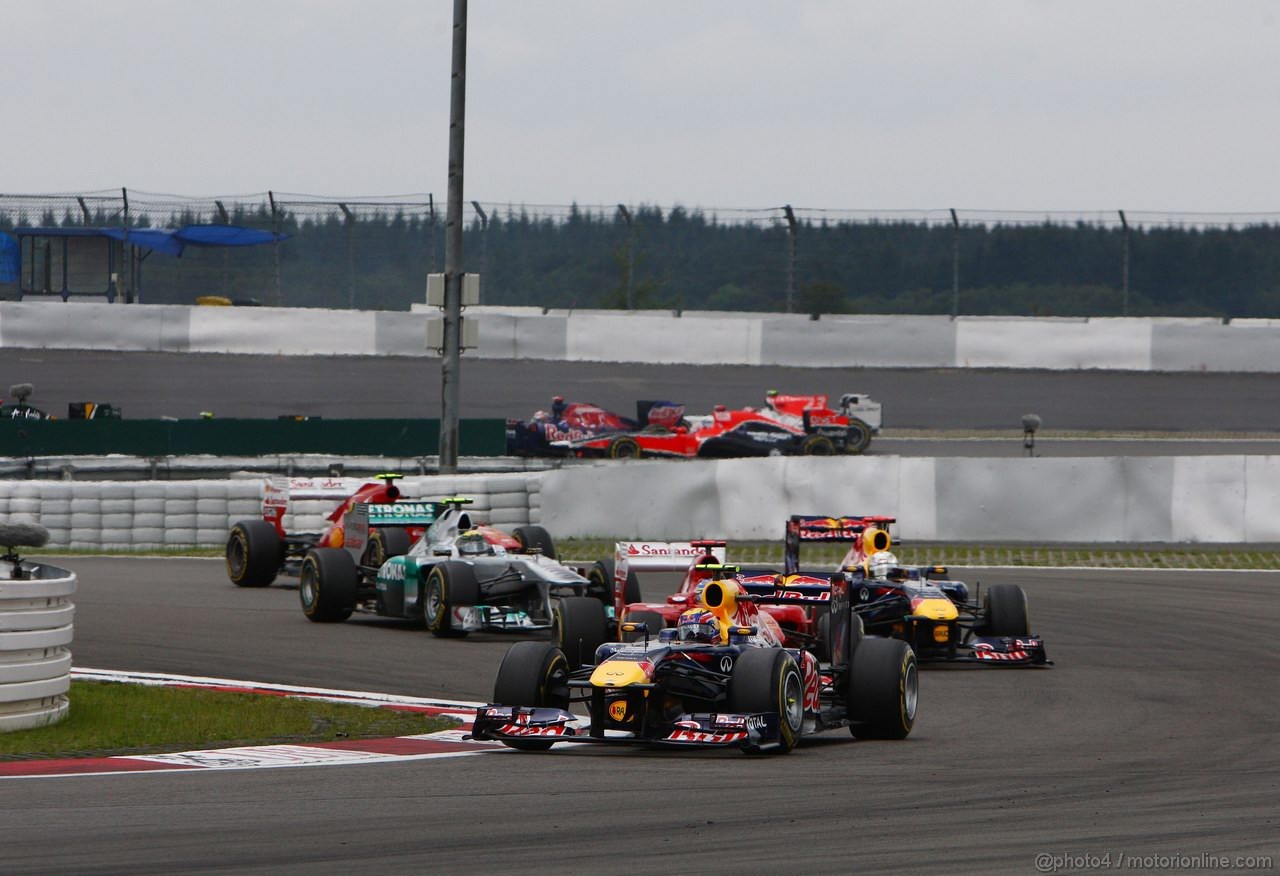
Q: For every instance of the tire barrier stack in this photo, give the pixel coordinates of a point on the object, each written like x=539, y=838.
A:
x=36, y=616
x=169, y=514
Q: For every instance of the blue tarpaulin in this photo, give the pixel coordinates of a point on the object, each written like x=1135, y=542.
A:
x=173, y=242
x=9, y=262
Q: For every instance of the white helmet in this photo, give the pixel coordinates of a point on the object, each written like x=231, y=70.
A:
x=879, y=564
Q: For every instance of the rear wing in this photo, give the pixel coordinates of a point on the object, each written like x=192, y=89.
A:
x=658, y=556
x=813, y=529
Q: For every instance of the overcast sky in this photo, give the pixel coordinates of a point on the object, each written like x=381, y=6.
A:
x=1039, y=105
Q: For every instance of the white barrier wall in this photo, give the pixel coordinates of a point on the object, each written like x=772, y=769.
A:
x=36, y=615
x=1133, y=344
x=1188, y=499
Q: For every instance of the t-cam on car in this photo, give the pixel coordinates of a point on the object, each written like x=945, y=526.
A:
x=919, y=604
x=719, y=678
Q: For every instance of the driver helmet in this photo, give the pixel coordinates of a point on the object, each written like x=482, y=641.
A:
x=472, y=543
x=698, y=625
x=879, y=564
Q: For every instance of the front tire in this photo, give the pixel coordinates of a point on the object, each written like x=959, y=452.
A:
x=535, y=675
x=768, y=680
x=535, y=537
x=448, y=585
x=624, y=447
x=385, y=544
x=578, y=628
x=254, y=553
x=1005, y=611
x=883, y=689
x=817, y=445
x=327, y=585
x=601, y=576
x=857, y=436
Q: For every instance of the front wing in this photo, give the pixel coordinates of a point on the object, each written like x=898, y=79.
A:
x=716, y=730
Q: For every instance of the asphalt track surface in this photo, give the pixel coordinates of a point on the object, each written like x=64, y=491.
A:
x=1155, y=734
x=150, y=385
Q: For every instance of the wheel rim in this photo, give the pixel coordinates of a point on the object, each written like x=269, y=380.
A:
x=910, y=691
x=434, y=601
x=793, y=700
x=307, y=587
x=237, y=556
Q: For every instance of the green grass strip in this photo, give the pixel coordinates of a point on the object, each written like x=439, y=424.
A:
x=109, y=718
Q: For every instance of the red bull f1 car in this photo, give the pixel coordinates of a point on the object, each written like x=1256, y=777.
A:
x=544, y=432
x=938, y=616
x=786, y=425
x=724, y=679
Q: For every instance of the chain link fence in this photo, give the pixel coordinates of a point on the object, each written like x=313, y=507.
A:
x=373, y=253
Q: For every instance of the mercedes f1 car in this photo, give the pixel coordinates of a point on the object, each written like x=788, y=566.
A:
x=259, y=551
x=920, y=604
x=456, y=577
x=575, y=421
x=786, y=425
x=721, y=678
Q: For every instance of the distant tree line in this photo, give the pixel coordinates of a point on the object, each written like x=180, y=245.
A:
x=689, y=260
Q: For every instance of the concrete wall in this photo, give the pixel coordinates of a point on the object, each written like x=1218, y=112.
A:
x=1131, y=344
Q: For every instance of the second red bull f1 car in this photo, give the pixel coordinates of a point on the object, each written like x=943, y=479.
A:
x=720, y=678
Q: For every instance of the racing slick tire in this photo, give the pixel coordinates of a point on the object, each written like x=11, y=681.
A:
x=883, y=689
x=652, y=619
x=768, y=680
x=625, y=447
x=533, y=674
x=448, y=585
x=254, y=553
x=531, y=537
x=385, y=543
x=857, y=436
x=817, y=445
x=327, y=585
x=578, y=627
x=601, y=587
x=1004, y=611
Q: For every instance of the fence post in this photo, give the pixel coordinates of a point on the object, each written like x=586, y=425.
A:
x=275, y=245
x=955, y=264
x=791, y=257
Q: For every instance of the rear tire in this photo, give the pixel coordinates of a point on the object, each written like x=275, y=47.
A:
x=254, y=553
x=817, y=445
x=883, y=689
x=857, y=436
x=601, y=576
x=535, y=675
x=625, y=447
x=531, y=537
x=655, y=621
x=327, y=585
x=578, y=628
x=768, y=680
x=385, y=543
x=1005, y=611
x=448, y=585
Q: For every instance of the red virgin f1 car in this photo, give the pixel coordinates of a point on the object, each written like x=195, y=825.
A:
x=786, y=425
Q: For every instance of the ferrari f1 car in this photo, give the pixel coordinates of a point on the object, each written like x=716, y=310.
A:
x=575, y=421
x=722, y=677
x=259, y=551
x=920, y=604
x=787, y=424
x=457, y=577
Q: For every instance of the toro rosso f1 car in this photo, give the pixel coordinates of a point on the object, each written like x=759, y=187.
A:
x=721, y=678
x=458, y=577
x=787, y=424
x=919, y=604
x=575, y=421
